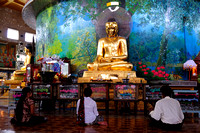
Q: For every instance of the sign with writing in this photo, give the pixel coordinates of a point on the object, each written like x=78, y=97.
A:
x=14, y=96
x=153, y=93
x=42, y=91
x=125, y=91
x=98, y=91
x=17, y=95
x=68, y=91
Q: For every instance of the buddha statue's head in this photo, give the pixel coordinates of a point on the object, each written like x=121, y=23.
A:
x=111, y=28
x=28, y=48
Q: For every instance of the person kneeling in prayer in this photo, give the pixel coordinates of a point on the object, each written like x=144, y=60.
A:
x=87, y=110
x=167, y=113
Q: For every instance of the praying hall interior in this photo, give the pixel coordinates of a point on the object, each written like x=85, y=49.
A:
x=139, y=59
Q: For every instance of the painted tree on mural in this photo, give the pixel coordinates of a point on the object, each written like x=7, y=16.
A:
x=141, y=48
x=86, y=9
x=81, y=8
x=141, y=43
x=54, y=44
x=82, y=43
x=170, y=14
x=46, y=34
x=55, y=48
x=41, y=38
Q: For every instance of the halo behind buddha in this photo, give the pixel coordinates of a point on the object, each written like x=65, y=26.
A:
x=121, y=16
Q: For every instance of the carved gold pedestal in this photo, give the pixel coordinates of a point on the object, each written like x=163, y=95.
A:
x=115, y=76
x=16, y=79
x=13, y=83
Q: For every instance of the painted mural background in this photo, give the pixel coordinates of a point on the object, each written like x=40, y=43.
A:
x=67, y=30
x=7, y=56
x=164, y=32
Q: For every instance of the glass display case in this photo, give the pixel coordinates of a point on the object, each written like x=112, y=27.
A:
x=152, y=92
x=125, y=91
x=98, y=91
x=42, y=91
x=68, y=91
x=189, y=100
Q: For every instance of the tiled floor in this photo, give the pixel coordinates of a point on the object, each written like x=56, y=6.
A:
x=65, y=122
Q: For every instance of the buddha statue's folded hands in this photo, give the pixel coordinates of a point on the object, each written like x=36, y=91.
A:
x=100, y=59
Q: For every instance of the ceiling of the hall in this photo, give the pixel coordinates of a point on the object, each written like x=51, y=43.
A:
x=13, y=4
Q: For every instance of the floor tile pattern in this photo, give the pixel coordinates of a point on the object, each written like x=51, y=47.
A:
x=65, y=122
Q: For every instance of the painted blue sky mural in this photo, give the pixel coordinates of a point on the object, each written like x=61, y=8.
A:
x=164, y=32
x=68, y=35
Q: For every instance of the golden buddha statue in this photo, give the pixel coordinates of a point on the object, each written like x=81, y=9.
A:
x=19, y=75
x=111, y=52
x=110, y=63
x=28, y=52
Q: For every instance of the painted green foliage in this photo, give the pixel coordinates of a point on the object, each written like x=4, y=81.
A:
x=170, y=15
x=144, y=49
x=68, y=29
x=47, y=39
x=83, y=45
x=56, y=47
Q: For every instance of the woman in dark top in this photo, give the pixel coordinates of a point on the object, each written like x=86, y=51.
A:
x=25, y=110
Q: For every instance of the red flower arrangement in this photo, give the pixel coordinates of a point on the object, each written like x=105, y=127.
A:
x=157, y=74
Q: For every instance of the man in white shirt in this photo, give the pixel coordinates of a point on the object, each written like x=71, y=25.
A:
x=167, y=113
x=90, y=109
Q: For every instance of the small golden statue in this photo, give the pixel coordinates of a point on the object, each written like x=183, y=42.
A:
x=19, y=75
x=111, y=52
x=28, y=52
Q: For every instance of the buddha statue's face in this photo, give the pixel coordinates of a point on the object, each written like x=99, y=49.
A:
x=26, y=50
x=111, y=29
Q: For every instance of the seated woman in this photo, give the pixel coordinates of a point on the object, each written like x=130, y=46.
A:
x=25, y=111
x=87, y=110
